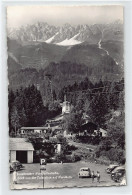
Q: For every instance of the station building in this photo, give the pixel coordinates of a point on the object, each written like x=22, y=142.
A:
x=20, y=149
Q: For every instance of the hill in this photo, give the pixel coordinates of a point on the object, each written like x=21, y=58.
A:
x=35, y=54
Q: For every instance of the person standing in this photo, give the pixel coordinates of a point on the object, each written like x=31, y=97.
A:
x=98, y=176
x=92, y=176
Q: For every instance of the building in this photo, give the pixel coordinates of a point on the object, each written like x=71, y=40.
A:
x=28, y=130
x=66, y=108
x=101, y=132
x=58, y=148
x=21, y=150
x=89, y=128
x=47, y=128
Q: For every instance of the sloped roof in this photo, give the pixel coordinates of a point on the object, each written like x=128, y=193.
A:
x=103, y=130
x=89, y=125
x=32, y=128
x=20, y=144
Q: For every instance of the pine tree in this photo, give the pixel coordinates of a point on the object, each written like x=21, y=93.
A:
x=11, y=98
x=99, y=108
x=15, y=119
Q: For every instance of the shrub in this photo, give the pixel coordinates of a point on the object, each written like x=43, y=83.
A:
x=59, y=157
x=116, y=154
x=75, y=157
x=71, y=147
x=72, y=158
x=97, y=152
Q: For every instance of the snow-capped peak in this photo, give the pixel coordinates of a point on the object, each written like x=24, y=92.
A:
x=51, y=39
x=71, y=41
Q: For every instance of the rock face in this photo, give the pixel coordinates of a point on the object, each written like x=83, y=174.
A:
x=43, y=32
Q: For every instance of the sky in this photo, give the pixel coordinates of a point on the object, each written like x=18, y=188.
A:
x=59, y=15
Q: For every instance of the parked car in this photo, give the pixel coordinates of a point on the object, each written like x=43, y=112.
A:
x=15, y=165
x=11, y=169
x=111, y=167
x=84, y=172
x=118, y=172
x=123, y=180
x=119, y=176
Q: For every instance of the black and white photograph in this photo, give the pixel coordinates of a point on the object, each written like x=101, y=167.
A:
x=66, y=96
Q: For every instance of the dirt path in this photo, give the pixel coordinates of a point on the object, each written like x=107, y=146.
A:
x=81, y=145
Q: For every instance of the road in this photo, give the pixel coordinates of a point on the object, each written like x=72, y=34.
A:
x=59, y=176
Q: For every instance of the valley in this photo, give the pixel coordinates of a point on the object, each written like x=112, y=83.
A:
x=68, y=53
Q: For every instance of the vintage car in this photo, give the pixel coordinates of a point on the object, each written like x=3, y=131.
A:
x=84, y=173
x=111, y=167
x=123, y=180
x=15, y=165
x=119, y=176
x=118, y=172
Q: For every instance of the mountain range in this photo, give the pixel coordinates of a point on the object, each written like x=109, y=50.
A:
x=69, y=53
x=67, y=34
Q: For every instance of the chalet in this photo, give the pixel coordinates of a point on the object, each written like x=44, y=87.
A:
x=88, y=128
x=101, y=132
x=21, y=150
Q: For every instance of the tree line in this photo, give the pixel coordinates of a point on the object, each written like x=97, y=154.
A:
x=26, y=108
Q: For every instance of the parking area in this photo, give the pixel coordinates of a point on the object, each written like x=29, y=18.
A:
x=59, y=175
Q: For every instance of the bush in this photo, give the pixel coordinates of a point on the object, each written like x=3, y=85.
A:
x=113, y=154
x=59, y=157
x=103, y=153
x=72, y=158
x=95, y=140
x=70, y=148
x=116, y=154
x=97, y=152
x=75, y=158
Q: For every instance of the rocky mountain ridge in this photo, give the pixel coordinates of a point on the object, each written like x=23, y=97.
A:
x=43, y=32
